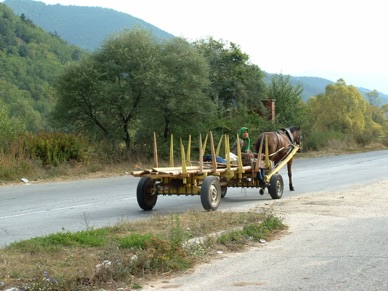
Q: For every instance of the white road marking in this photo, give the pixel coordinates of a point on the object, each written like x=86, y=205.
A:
x=43, y=211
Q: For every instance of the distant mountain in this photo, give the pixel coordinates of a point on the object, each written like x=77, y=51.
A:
x=88, y=27
x=313, y=86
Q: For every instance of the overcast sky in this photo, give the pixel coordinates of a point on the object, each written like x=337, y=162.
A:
x=328, y=39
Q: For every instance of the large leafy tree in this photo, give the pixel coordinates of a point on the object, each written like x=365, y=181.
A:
x=178, y=103
x=236, y=84
x=341, y=109
x=290, y=108
x=103, y=94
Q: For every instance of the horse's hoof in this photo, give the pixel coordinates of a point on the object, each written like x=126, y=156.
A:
x=292, y=189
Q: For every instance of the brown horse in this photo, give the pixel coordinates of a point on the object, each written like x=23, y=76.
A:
x=279, y=145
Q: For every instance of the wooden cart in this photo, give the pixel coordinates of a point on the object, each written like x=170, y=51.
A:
x=209, y=180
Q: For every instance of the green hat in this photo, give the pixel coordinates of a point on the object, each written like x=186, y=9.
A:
x=242, y=129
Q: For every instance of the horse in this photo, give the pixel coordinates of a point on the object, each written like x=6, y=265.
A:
x=279, y=145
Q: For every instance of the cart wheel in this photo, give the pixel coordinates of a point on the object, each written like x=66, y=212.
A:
x=224, y=189
x=211, y=193
x=276, y=186
x=146, y=198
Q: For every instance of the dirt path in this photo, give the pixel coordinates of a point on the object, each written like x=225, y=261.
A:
x=339, y=238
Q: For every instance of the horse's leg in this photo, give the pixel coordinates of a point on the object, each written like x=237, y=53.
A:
x=289, y=164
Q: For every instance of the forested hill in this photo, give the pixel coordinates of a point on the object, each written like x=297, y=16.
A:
x=86, y=27
x=30, y=60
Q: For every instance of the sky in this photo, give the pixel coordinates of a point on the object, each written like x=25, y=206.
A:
x=330, y=39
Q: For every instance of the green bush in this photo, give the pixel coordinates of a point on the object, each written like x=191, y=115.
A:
x=54, y=149
x=318, y=139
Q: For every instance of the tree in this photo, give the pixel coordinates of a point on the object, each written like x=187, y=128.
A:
x=102, y=94
x=374, y=98
x=178, y=103
x=290, y=108
x=235, y=82
x=341, y=108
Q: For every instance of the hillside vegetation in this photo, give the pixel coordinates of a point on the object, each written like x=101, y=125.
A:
x=89, y=27
x=30, y=59
x=86, y=27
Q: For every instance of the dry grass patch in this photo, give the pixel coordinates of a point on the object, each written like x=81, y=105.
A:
x=128, y=254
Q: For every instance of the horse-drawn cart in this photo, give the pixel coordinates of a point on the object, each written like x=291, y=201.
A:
x=209, y=179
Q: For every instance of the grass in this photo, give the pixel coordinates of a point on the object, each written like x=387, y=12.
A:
x=129, y=254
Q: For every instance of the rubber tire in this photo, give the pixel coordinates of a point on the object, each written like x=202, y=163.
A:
x=210, y=193
x=276, y=186
x=224, y=189
x=145, y=199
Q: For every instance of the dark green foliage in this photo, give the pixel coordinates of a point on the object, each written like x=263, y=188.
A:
x=235, y=82
x=103, y=94
x=177, y=101
x=113, y=94
x=290, y=108
x=53, y=149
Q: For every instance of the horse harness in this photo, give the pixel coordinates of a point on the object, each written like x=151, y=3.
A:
x=286, y=132
x=289, y=134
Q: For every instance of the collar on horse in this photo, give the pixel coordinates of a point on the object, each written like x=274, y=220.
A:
x=289, y=134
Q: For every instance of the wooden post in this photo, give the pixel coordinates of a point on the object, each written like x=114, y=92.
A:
x=219, y=146
x=172, y=152
x=200, y=155
x=214, y=158
x=188, y=156
x=156, y=162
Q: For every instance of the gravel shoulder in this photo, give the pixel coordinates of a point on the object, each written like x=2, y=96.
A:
x=335, y=241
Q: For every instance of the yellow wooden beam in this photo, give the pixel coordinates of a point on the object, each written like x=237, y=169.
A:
x=188, y=155
x=205, y=143
x=239, y=159
x=156, y=162
x=219, y=146
x=172, y=151
x=213, y=151
x=200, y=155
x=273, y=171
x=183, y=157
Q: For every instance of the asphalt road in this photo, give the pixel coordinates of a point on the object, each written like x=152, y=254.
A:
x=30, y=210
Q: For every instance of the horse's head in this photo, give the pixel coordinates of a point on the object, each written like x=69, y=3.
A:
x=297, y=136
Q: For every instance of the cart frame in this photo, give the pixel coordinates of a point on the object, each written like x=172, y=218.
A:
x=209, y=180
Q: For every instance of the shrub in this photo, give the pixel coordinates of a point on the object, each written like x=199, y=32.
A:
x=54, y=149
